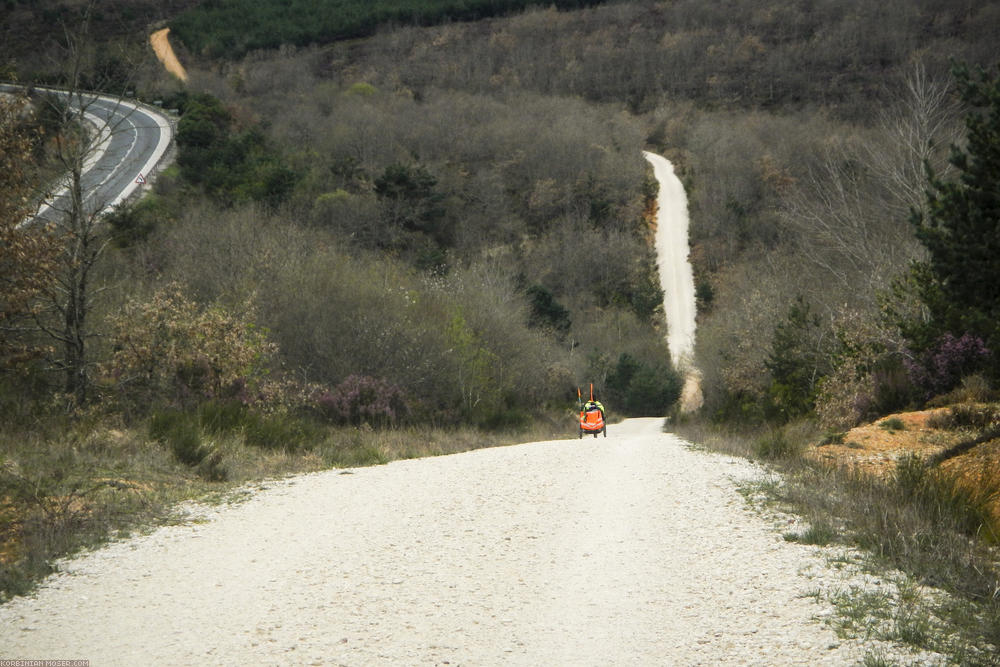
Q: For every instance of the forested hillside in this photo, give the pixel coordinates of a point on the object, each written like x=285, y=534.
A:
x=499, y=160
x=231, y=28
x=801, y=130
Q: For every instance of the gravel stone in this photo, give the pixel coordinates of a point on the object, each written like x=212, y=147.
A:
x=628, y=550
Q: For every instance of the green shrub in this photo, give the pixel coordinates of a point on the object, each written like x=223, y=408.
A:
x=222, y=416
x=280, y=431
x=132, y=224
x=892, y=424
x=230, y=165
x=348, y=456
x=970, y=416
x=212, y=468
x=775, y=445
x=643, y=389
x=506, y=419
x=819, y=533
x=832, y=438
x=878, y=659
x=911, y=473
x=546, y=311
x=179, y=430
x=965, y=505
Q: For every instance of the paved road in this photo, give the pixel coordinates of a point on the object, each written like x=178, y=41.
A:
x=630, y=550
x=129, y=140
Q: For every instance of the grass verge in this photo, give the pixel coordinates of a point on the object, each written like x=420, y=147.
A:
x=920, y=522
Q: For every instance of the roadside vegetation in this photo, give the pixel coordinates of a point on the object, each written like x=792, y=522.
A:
x=928, y=534
x=231, y=28
x=930, y=342
x=445, y=229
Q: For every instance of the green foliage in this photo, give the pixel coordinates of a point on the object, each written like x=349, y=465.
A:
x=546, y=311
x=819, y=533
x=230, y=28
x=796, y=361
x=910, y=475
x=892, y=424
x=638, y=389
x=961, y=229
x=222, y=416
x=775, y=445
x=280, y=431
x=133, y=223
x=412, y=213
x=967, y=416
x=832, y=438
x=179, y=431
x=231, y=165
x=477, y=386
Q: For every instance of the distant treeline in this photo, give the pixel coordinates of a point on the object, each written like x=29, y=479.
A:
x=231, y=28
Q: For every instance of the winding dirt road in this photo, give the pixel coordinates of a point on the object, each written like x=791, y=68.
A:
x=631, y=550
x=160, y=42
x=676, y=276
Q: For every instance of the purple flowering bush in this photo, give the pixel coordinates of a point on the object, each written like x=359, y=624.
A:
x=363, y=399
x=942, y=367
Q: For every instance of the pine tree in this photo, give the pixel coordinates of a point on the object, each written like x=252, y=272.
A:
x=961, y=228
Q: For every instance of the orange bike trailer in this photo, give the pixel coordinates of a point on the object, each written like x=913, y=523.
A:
x=591, y=421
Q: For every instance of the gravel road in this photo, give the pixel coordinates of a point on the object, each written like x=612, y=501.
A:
x=634, y=549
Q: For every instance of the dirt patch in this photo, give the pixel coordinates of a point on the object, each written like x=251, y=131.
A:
x=165, y=53
x=875, y=449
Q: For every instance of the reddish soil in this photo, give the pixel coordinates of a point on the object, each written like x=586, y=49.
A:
x=875, y=448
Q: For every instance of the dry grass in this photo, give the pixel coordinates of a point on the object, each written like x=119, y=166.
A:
x=932, y=435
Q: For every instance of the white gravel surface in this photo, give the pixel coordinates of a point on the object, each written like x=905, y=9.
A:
x=629, y=550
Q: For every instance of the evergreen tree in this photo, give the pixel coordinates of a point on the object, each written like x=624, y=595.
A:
x=799, y=357
x=961, y=229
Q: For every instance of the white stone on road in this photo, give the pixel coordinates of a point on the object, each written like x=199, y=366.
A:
x=630, y=550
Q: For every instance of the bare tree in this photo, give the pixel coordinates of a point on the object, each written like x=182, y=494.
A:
x=914, y=133
x=74, y=214
x=851, y=209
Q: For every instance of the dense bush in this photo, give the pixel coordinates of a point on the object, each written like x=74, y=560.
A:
x=640, y=389
x=942, y=367
x=232, y=165
x=546, y=311
x=230, y=28
x=797, y=361
x=775, y=445
x=170, y=351
x=363, y=400
x=180, y=432
x=280, y=431
x=975, y=417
